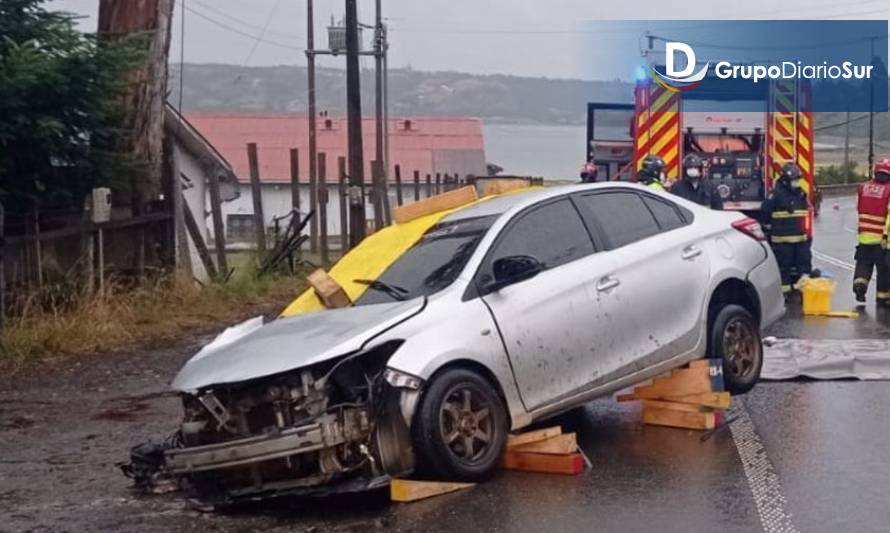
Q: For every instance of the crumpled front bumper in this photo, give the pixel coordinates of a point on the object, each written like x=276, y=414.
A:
x=252, y=450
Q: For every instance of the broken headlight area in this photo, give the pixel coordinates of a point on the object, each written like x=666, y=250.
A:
x=336, y=424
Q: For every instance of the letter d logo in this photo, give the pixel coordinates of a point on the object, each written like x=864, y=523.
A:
x=670, y=52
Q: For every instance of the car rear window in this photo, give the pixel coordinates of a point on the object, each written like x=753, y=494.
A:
x=666, y=213
x=621, y=217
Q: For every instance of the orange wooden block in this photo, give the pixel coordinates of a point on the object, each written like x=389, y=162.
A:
x=545, y=463
x=440, y=202
x=533, y=436
x=659, y=416
x=560, y=445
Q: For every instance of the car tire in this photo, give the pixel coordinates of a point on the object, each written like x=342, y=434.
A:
x=735, y=339
x=458, y=413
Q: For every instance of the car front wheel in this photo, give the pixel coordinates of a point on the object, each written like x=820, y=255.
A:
x=735, y=339
x=460, y=427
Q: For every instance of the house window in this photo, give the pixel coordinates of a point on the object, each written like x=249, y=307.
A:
x=240, y=228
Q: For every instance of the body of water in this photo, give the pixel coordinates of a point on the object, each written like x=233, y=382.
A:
x=554, y=152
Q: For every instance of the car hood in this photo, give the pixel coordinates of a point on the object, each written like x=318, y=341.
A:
x=252, y=350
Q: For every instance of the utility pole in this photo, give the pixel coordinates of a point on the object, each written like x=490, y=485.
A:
x=313, y=115
x=847, y=149
x=354, y=126
x=871, y=118
x=143, y=100
x=380, y=177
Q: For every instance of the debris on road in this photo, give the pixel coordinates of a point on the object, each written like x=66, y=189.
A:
x=865, y=359
x=409, y=490
x=690, y=398
x=328, y=290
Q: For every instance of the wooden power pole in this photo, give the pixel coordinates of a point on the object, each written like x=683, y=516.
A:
x=354, y=125
x=144, y=99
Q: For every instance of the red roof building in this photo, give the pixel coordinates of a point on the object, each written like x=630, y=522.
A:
x=447, y=145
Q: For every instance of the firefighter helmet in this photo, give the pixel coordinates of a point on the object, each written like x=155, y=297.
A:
x=652, y=167
x=692, y=161
x=790, y=172
x=882, y=169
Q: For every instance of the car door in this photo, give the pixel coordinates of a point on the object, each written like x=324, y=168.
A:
x=651, y=295
x=548, y=323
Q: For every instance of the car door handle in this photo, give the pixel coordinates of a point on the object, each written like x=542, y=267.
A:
x=690, y=252
x=607, y=283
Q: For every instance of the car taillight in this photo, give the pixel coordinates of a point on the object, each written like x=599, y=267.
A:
x=751, y=228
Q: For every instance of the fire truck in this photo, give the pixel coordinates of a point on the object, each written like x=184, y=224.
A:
x=744, y=151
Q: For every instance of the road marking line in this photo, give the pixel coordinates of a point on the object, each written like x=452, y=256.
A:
x=761, y=475
x=833, y=261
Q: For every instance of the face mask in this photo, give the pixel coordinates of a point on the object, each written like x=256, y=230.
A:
x=795, y=184
x=693, y=173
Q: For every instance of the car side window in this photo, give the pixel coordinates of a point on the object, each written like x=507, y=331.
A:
x=553, y=234
x=666, y=213
x=621, y=217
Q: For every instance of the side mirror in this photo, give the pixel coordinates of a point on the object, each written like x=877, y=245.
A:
x=513, y=269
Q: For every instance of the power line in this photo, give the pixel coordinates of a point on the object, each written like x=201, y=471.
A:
x=242, y=33
x=796, y=9
x=852, y=120
x=257, y=41
x=218, y=12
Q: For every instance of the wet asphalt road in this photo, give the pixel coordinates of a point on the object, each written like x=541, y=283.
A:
x=802, y=455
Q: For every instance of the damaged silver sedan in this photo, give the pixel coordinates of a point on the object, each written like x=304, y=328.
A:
x=506, y=312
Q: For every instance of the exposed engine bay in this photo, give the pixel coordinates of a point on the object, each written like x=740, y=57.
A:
x=339, y=425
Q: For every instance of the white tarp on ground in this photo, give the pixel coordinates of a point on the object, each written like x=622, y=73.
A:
x=867, y=359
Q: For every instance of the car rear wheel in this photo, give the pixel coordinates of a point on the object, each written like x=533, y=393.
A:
x=735, y=339
x=460, y=427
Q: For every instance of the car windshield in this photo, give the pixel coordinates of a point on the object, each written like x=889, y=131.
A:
x=432, y=264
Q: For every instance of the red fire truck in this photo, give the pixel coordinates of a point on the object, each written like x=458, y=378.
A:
x=744, y=150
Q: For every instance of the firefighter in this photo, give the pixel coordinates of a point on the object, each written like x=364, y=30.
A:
x=692, y=188
x=872, y=204
x=651, y=170
x=786, y=210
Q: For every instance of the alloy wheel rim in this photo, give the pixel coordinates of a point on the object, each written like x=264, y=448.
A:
x=740, y=347
x=466, y=424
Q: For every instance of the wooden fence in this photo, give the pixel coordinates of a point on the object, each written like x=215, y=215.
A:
x=81, y=254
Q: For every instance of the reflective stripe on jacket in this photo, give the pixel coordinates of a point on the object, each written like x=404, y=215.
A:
x=871, y=203
x=788, y=211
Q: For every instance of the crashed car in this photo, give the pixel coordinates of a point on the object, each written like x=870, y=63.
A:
x=505, y=312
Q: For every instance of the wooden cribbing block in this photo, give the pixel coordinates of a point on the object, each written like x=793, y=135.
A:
x=440, y=202
x=714, y=400
x=409, y=490
x=683, y=382
x=502, y=185
x=687, y=407
x=533, y=436
x=328, y=290
x=660, y=416
x=543, y=462
x=561, y=445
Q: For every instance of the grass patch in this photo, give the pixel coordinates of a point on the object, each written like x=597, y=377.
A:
x=154, y=314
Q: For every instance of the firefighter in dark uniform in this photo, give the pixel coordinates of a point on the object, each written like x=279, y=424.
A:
x=693, y=188
x=786, y=210
x=872, y=204
x=651, y=170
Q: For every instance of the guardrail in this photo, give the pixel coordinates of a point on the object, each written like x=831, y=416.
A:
x=839, y=189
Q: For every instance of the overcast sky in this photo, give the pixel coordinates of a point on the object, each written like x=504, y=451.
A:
x=521, y=37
